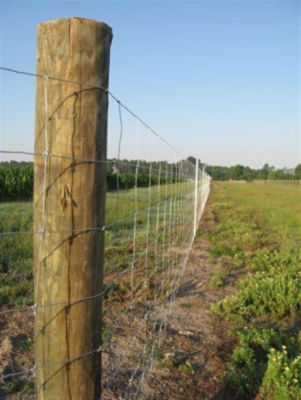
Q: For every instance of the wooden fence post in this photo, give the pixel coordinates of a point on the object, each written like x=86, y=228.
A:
x=196, y=183
x=69, y=197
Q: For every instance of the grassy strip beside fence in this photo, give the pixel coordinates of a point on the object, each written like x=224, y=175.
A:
x=258, y=238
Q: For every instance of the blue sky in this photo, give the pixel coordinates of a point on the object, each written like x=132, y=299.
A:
x=219, y=80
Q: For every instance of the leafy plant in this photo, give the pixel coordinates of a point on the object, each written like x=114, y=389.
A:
x=282, y=379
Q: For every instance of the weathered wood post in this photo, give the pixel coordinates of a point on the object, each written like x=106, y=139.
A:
x=69, y=199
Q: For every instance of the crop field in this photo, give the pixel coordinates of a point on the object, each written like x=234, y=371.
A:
x=256, y=241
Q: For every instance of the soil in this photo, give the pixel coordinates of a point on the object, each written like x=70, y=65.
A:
x=195, y=336
x=16, y=346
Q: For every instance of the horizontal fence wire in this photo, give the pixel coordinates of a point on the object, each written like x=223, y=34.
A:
x=76, y=159
x=100, y=88
x=149, y=231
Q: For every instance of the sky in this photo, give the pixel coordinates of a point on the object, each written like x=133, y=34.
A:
x=219, y=80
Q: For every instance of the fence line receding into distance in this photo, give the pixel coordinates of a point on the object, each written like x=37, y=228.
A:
x=153, y=206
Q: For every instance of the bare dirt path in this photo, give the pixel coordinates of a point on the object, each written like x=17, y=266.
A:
x=196, y=347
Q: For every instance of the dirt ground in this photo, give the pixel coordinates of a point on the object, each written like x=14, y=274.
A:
x=16, y=346
x=194, y=336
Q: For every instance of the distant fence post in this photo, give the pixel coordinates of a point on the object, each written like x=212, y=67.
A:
x=196, y=196
x=205, y=187
x=69, y=206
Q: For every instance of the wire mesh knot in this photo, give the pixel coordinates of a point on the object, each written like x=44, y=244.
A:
x=46, y=154
x=34, y=371
x=42, y=231
x=34, y=309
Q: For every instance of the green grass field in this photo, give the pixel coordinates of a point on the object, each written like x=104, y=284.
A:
x=258, y=236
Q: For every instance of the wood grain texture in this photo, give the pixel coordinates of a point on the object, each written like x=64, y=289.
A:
x=68, y=266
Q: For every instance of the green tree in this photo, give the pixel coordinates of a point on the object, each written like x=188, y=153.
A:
x=191, y=159
x=237, y=172
x=298, y=172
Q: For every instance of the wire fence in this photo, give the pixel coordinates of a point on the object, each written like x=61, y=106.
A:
x=153, y=206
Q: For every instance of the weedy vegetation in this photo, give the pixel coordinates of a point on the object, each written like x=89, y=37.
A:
x=259, y=230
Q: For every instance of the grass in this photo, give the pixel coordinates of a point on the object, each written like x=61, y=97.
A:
x=217, y=279
x=259, y=229
x=16, y=254
x=16, y=251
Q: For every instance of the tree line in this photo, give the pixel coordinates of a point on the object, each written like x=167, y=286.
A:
x=16, y=178
x=241, y=172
